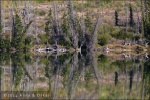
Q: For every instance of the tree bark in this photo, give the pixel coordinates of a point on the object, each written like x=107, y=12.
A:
x=93, y=40
x=73, y=26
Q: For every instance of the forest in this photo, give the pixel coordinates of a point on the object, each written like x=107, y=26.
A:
x=72, y=27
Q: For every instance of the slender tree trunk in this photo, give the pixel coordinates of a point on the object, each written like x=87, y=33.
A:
x=35, y=25
x=55, y=24
x=83, y=28
x=93, y=40
x=73, y=26
x=74, y=66
x=93, y=60
x=55, y=19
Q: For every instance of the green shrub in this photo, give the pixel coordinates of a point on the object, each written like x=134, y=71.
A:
x=4, y=43
x=102, y=58
x=63, y=42
x=40, y=1
x=137, y=37
x=43, y=38
x=29, y=40
x=103, y=41
x=122, y=34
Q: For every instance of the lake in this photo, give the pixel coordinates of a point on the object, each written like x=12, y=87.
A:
x=75, y=75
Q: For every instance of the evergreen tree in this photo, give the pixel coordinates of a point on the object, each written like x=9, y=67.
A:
x=18, y=26
x=17, y=64
x=17, y=41
x=146, y=79
x=19, y=33
x=146, y=19
x=131, y=22
x=116, y=18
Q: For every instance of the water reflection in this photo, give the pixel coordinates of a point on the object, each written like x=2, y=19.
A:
x=76, y=76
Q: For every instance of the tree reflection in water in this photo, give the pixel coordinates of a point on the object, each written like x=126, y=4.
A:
x=76, y=76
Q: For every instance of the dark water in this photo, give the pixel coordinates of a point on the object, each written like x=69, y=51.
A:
x=76, y=76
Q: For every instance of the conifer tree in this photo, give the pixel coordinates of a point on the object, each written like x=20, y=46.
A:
x=146, y=19
x=17, y=41
x=17, y=64
x=19, y=33
x=116, y=18
x=131, y=22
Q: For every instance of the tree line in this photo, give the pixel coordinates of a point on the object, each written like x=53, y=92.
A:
x=20, y=41
x=131, y=21
x=70, y=30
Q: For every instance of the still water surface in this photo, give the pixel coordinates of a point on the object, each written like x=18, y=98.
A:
x=77, y=76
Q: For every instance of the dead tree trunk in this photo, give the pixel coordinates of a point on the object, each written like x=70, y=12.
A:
x=93, y=60
x=35, y=25
x=73, y=26
x=93, y=40
x=83, y=28
x=94, y=37
x=55, y=24
x=71, y=82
